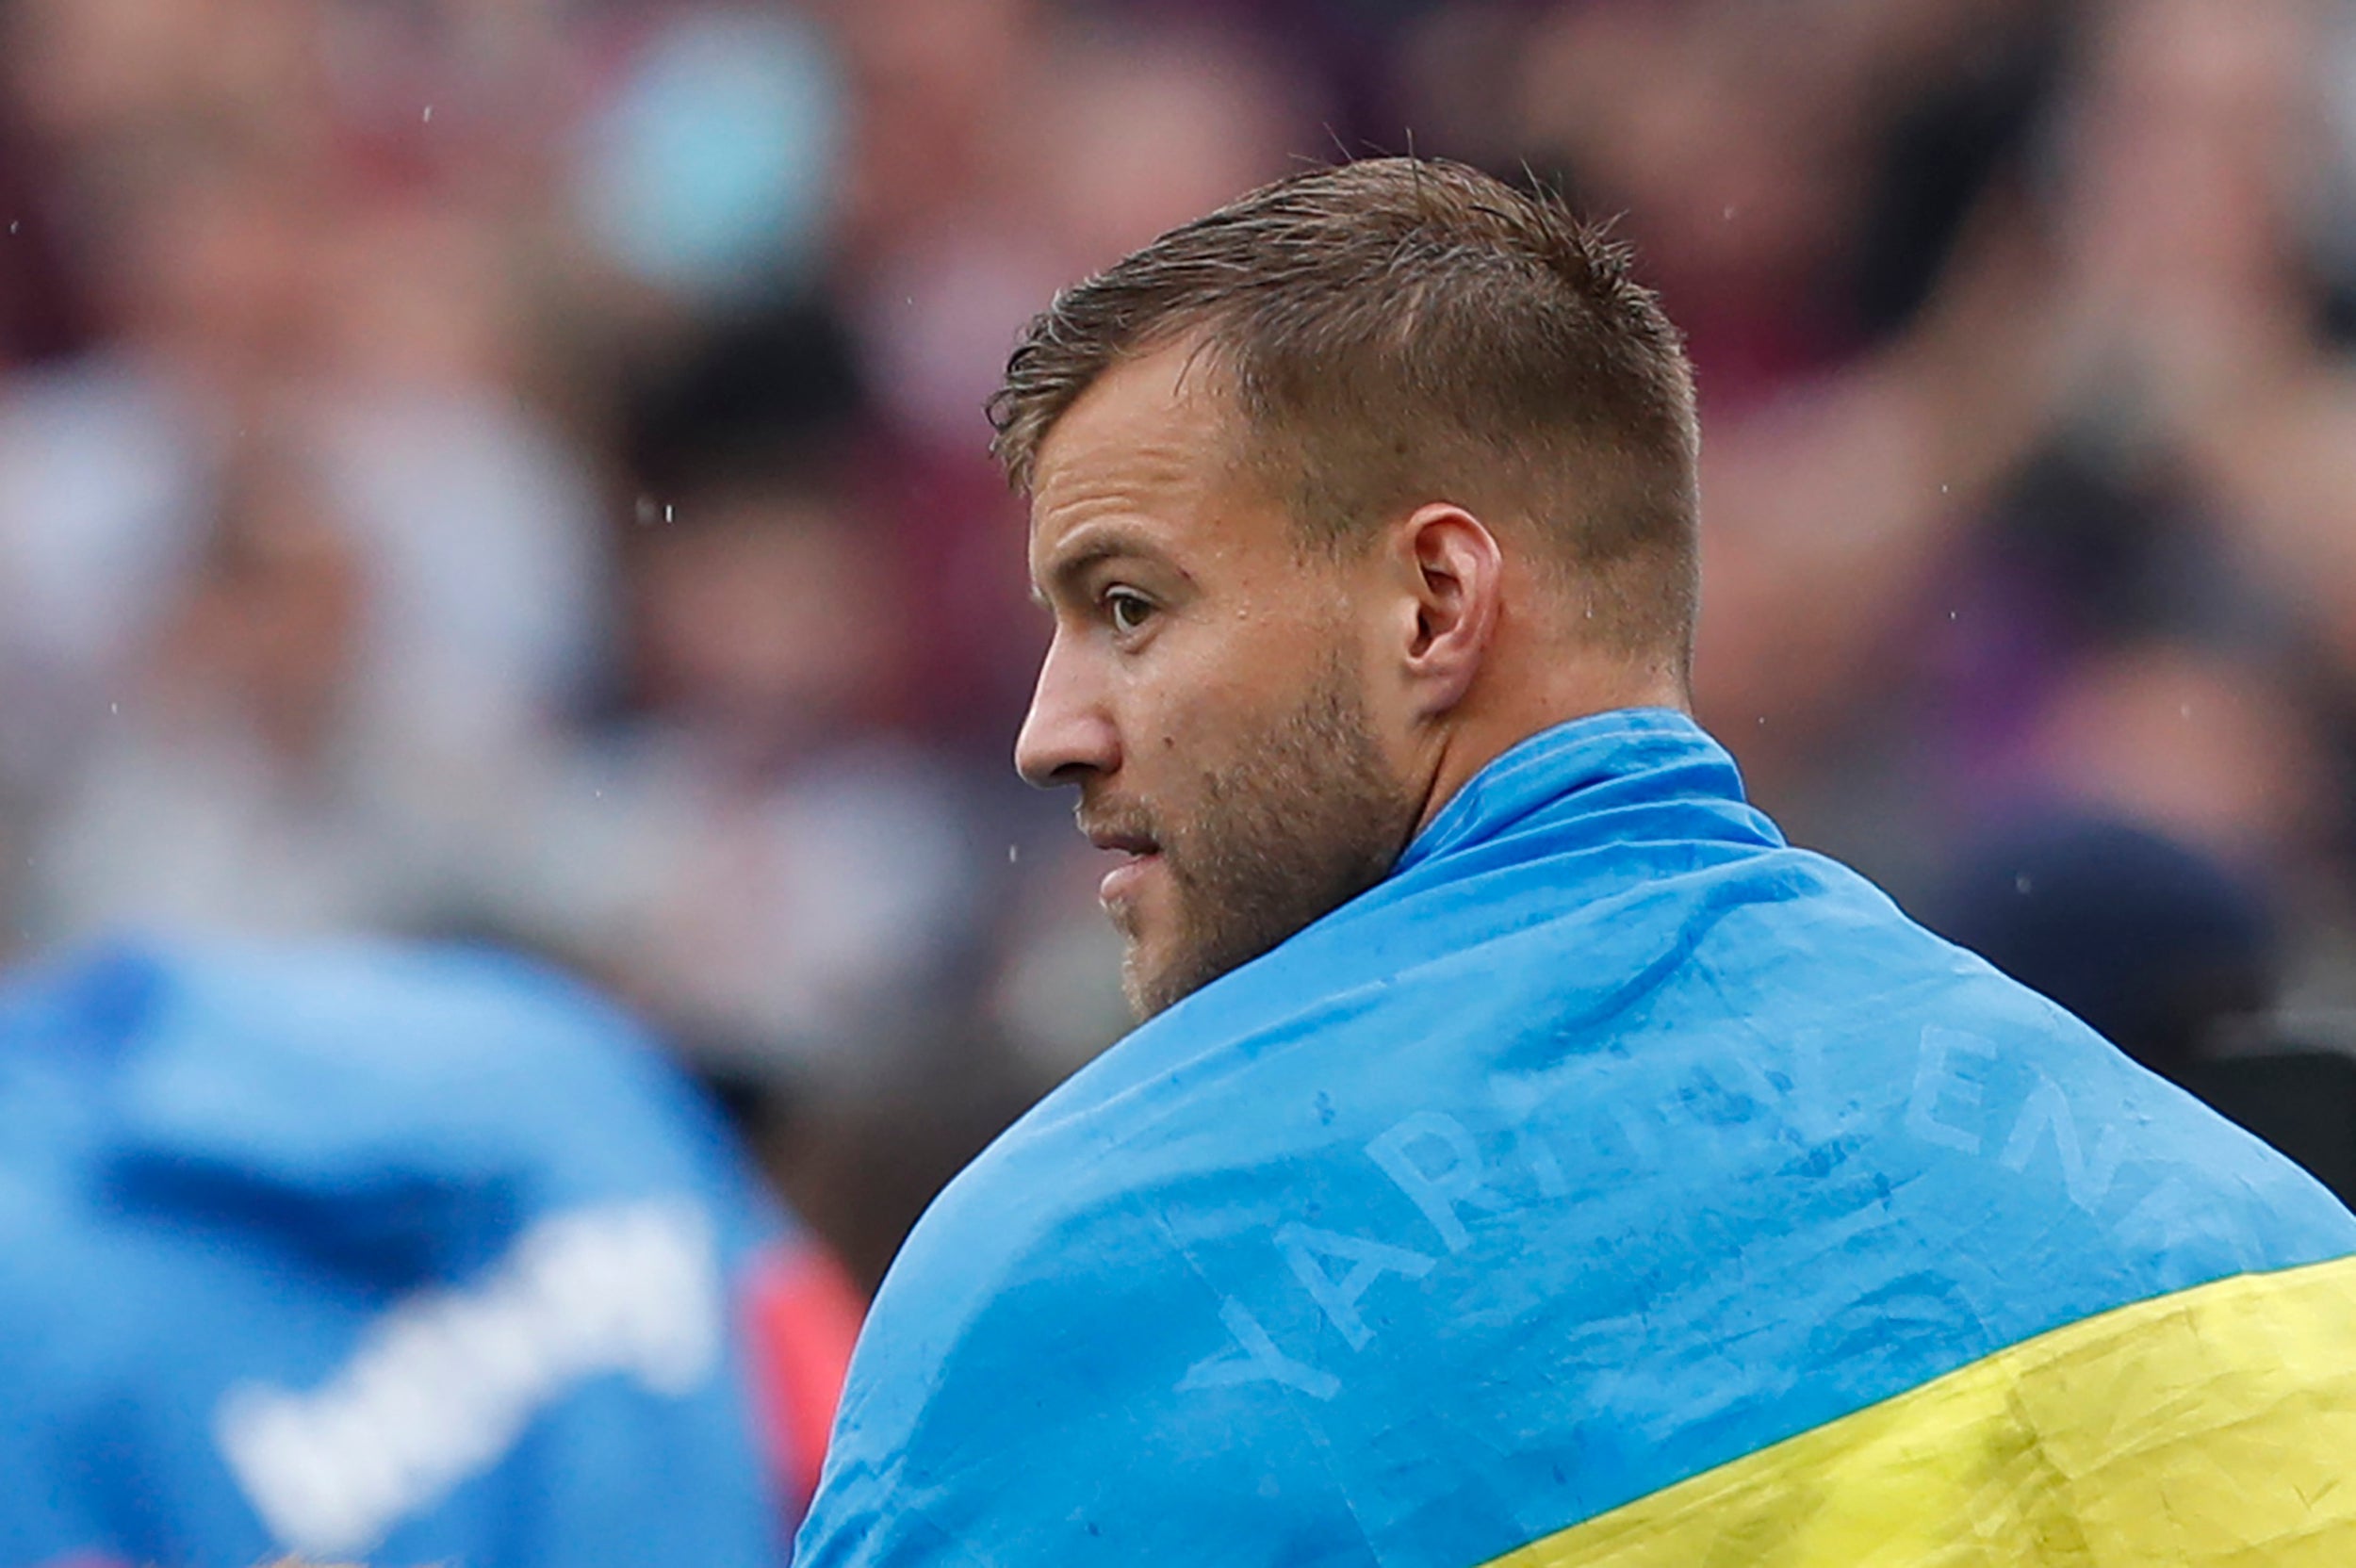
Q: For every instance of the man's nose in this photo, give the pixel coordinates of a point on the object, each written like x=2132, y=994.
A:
x=1068, y=735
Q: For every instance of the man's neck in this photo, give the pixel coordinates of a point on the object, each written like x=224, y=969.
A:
x=1494, y=720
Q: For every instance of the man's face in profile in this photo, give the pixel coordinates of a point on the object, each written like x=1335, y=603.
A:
x=1203, y=689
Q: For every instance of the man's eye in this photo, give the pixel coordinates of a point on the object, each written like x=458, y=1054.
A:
x=1127, y=611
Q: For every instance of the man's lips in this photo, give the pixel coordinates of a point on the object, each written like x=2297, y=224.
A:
x=1140, y=852
x=1120, y=884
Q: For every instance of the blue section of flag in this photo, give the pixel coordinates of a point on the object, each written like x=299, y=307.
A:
x=1609, y=1140
x=416, y=1256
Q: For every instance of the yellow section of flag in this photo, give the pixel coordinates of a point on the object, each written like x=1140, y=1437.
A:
x=2213, y=1426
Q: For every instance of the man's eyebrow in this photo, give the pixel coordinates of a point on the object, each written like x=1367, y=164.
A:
x=1100, y=542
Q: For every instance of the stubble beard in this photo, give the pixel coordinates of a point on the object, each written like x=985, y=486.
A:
x=1308, y=817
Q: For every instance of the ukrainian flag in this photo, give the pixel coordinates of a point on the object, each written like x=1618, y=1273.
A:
x=2215, y=1425
x=1614, y=1185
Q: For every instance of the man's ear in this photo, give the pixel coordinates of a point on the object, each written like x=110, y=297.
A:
x=1454, y=575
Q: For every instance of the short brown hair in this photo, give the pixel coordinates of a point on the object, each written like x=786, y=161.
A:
x=1405, y=330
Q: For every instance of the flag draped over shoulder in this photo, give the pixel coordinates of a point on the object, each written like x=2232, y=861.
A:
x=1614, y=1184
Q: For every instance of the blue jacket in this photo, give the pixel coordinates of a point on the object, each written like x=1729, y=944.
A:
x=1613, y=1184
x=420, y=1256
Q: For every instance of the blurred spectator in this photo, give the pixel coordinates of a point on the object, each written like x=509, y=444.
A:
x=1116, y=134
x=2171, y=956
x=751, y=854
x=249, y=778
x=709, y=172
x=40, y=313
x=2163, y=950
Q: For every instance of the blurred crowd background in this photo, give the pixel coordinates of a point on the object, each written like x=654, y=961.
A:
x=514, y=470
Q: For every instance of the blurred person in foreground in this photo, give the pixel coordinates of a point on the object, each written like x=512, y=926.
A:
x=1528, y=1157
x=425, y=1256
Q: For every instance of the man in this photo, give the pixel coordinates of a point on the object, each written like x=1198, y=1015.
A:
x=421, y=1255
x=1528, y=1158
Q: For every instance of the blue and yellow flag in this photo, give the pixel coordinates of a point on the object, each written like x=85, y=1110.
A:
x=1614, y=1184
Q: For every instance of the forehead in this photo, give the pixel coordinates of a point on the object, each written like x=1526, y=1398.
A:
x=1155, y=436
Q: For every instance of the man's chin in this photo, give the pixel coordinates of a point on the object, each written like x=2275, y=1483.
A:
x=1157, y=976
x=1143, y=983
x=1154, y=981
